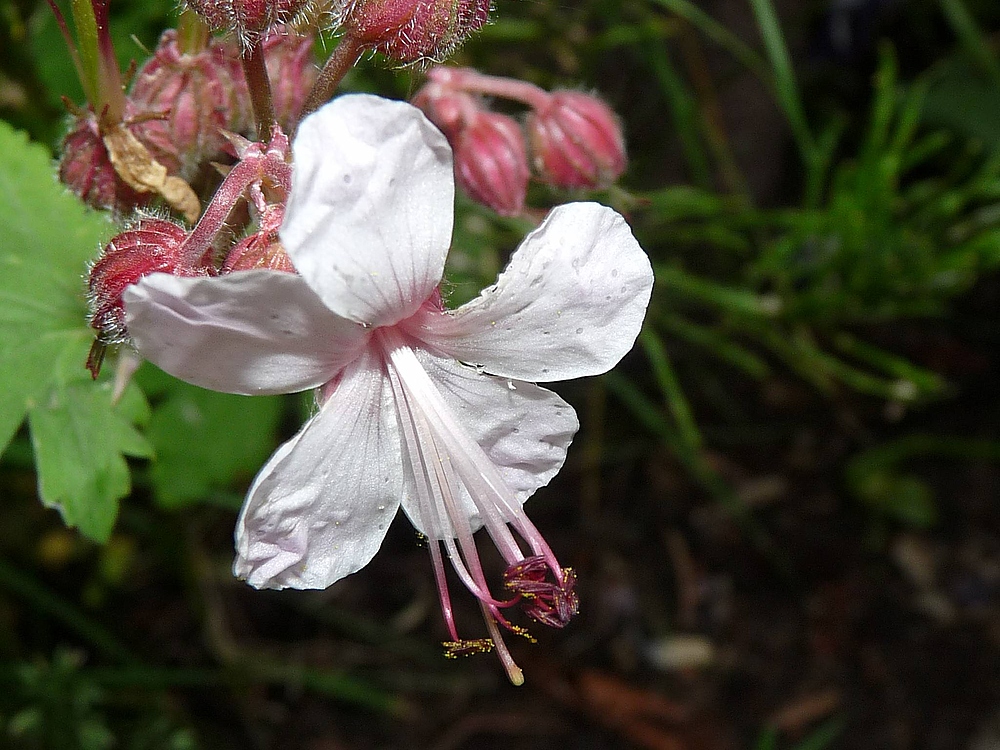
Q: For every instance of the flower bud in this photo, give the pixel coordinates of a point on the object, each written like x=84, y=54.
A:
x=85, y=168
x=258, y=250
x=225, y=52
x=491, y=163
x=409, y=31
x=290, y=66
x=262, y=248
x=191, y=92
x=151, y=245
x=448, y=109
x=576, y=141
x=246, y=17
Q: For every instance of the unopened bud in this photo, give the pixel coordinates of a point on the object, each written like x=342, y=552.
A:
x=576, y=141
x=262, y=248
x=247, y=18
x=151, y=246
x=291, y=70
x=225, y=51
x=409, y=31
x=191, y=95
x=491, y=163
x=448, y=109
x=290, y=66
x=86, y=169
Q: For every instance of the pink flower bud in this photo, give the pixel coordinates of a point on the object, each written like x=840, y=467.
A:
x=191, y=92
x=446, y=108
x=86, y=169
x=262, y=248
x=414, y=30
x=576, y=141
x=225, y=51
x=292, y=70
x=491, y=163
x=246, y=17
x=258, y=250
x=289, y=60
x=151, y=245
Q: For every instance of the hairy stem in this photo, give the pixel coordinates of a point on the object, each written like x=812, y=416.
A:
x=337, y=66
x=255, y=70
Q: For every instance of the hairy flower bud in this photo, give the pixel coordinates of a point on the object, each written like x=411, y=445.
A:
x=290, y=65
x=576, y=141
x=191, y=93
x=151, y=245
x=258, y=250
x=409, y=31
x=86, y=169
x=246, y=17
x=262, y=248
x=491, y=163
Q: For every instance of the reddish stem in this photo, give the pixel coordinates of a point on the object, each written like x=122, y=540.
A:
x=255, y=70
x=467, y=79
x=195, y=252
x=348, y=52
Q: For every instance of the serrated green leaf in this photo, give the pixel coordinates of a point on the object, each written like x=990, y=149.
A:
x=205, y=441
x=47, y=238
x=79, y=437
x=79, y=441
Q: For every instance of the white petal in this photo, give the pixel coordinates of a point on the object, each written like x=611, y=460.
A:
x=523, y=429
x=322, y=504
x=569, y=304
x=369, y=219
x=251, y=332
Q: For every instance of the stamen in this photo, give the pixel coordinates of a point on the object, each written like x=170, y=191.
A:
x=474, y=467
x=514, y=673
x=443, y=459
x=442, y=587
x=467, y=647
x=550, y=603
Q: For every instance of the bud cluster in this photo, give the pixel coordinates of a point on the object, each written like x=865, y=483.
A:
x=574, y=139
x=157, y=146
x=180, y=105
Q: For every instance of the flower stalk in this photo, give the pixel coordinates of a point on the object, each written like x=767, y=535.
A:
x=344, y=57
x=259, y=85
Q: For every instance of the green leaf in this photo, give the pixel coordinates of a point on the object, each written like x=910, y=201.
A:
x=79, y=436
x=205, y=441
x=47, y=239
x=79, y=439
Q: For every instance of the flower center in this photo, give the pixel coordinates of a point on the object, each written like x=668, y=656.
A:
x=456, y=485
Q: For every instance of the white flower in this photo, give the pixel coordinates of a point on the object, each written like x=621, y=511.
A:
x=421, y=406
